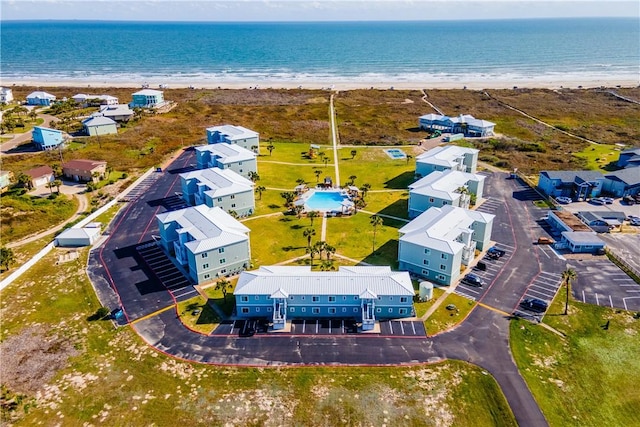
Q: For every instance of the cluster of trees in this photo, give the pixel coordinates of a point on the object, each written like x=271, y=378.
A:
x=15, y=117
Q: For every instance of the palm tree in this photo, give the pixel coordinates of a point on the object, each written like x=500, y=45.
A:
x=317, y=172
x=259, y=190
x=375, y=222
x=254, y=148
x=409, y=157
x=320, y=247
x=6, y=258
x=353, y=154
x=298, y=211
x=352, y=180
x=325, y=159
x=327, y=266
x=309, y=233
x=224, y=286
x=312, y=253
x=300, y=181
x=365, y=189
x=311, y=215
x=57, y=183
x=568, y=276
x=270, y=148
x=25, y=181
x=253, y=176
x=329, y=250
x=288, y=197
x=50, y=186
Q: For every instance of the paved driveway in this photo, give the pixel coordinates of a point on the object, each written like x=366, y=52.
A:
x=601, y=282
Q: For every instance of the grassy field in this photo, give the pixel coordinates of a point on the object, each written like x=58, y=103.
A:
x=83, y=371
x=587, y=377
x=444, y=318
x=599, y=157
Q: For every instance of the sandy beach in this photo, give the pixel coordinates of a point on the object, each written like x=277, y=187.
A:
x=338, y=85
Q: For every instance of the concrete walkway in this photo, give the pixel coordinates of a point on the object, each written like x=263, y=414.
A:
x=334, y=139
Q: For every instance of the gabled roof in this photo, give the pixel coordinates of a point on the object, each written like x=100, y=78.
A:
x=635, y=151
x=98, y=121
x=43, y=129
x=82, y=164
x=346, y=281
x=573, y=176
x=438, y=228
x=227, y=153
x=443, y=184
x=219, y=182
x=39, y=172
x=41, y=95
x=148, y=92
x=462, y=118
x=445, y=155
x=209, y=227
x=115, y=110
x=78, y=233
x=233, y=132
x=630, y=176
x=583, y=238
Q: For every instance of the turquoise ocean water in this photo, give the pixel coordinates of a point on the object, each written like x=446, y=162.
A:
x=443, y=51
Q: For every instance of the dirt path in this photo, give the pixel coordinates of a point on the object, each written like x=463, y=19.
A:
x=83, y=204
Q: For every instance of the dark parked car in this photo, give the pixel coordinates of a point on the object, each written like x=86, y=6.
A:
x=496, y=251
x=481, y=266
x=472, y=280
x=534, y=304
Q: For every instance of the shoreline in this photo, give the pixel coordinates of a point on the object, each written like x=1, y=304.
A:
x=333, y=85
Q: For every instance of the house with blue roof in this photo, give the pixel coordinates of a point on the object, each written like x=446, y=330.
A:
x=441, y=188
x=227, y=156
x=437, y=243
x=40, y=98
x=219, y=187
x=366, y=294
x=237, y=135
x=448, y=157
x=47, y=139
x=464, y=123
x=580, y=185
x=623, y=182
x=629, y=158
x=206, y=241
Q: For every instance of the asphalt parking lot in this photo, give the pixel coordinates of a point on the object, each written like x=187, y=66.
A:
x=321, y=327
x=493, y=268
x=601, y=282
x=544, y=287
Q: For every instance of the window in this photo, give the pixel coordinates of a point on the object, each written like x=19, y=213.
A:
x=344, y=309
x=378, y=310
x=233, y=196
x=239, y=163
x=355, y=297
x=440, y=277
x=292, y=309
x=355, y=309
x=443, y=256
x=257, y=309
x=427, y=251
x=332, y=299
x=220, y=250
x=302, y=297
x=425, y=273
x=244, y=298
x=205, y=266
x=403, y=311
x=332, y=310
x=390, y=298
x=206, y=276
x=269, y=309
x=315, y=299
x=245, y=310
x=315, y=310
x=431, y=200
x=257, y=297
x=222, y=260
x=204, y=255
x=344, y=298
x=291, y=297
x=219, y=199
x=223, y=271
x=425, y=261
x=303, y=309
x=443, y=267
x=403, y=299
x=390, y=310
x=233, y=205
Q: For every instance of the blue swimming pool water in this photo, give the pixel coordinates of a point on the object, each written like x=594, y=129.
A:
x=396, y=154
x=325, y=201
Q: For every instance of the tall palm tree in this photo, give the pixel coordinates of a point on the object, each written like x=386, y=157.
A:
x=259, y=190
x=50, y=186
x=375, y=222
x=317, y=172
x=57, y=183
x=224, y=286
x=329, y=250
x=325, y=160
x=253, y=176
x=288, y=197
x=270, y=148
x=320, y=246
x=365, y=189
x=309, y=233
x=568, y=276
x=312, y=215
x=409, y=157
x=352, y=179
x=353, y=154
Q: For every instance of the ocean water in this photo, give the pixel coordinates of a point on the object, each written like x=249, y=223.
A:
x=442, y=51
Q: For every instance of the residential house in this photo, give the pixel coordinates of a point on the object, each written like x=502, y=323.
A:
x=602, y=221
x=6, y=95
x=623, y=182
x=237, y=135
x=629, y=158
x=46, y=138
x=440, y=242
x=207, y=241
x=91, y=100
x=441, y=188
x=84, y=170
x=575, y=235
x=5, y=180
x=40, y=176
x=580, y=185
x=465, y=124
x=40, y=98
x=279, y=293
x=227, y=156
x=96, y=126
x=219, y=187
x=448, y=157
x=118, y=112
x=148, y=98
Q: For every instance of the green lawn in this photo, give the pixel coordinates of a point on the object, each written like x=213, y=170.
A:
x=443, y=318
x=599, y=157
x=589, y=376
x=197, y=315
x=374, y=167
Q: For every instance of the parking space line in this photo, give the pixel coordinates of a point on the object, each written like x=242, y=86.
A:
x=610, y=301
x=391, y=328
x=544, y=294
x=413, y=326
x=630, y=284
x=304, y=325
x=402, y=327
x=584, y=299
x=633, y=290
x=597, y=301
x=317, y=326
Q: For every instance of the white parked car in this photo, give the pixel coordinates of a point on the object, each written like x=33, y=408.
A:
x=597, y=201
x=635, y=221
x=607, y=200
x=564, y=200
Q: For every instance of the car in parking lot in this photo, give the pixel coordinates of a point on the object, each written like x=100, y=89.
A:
x=597, y=201
x=534, y=304
x=629, y=200
x=545, y=241
x=564, y=200
x=607, y=200
x=496, y=251
x=472, y=280
x=634, y=221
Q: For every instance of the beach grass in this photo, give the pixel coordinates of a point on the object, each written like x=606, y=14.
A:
x=584, y=375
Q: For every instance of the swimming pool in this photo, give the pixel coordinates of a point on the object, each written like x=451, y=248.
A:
x=394, y=153
x=324, y=201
